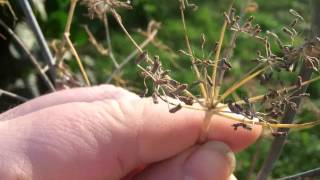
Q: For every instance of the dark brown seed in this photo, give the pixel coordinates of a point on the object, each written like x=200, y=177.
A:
x=235, y=108
x=180, y=89
x=186, y=100
x=226, y=64
x=156, y=65
x=244, y=126
x=175, y=109
x=141, y=57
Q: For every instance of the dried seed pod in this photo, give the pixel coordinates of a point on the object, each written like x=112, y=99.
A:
x=235, y=108
x=296, y=14
x=141, y=57
x=225, y=64
x=180, y=89
x=175, y=109
x=243, y=125
x=293, y=23
x=156, y=65
x=186, y=100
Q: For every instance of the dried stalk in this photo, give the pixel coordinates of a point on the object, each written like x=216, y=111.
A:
x=60, y=53
x=311, y=174
x=108, y=38
x=25, y=5
x=132, y=55
x=201, y=85
x=75, y=54
x=216, y=86
x=13, y=95
x=33, y=60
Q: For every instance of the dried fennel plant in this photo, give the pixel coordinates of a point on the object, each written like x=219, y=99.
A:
x=266, y=109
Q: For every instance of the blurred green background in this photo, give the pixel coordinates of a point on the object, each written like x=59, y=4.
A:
x=17, y=74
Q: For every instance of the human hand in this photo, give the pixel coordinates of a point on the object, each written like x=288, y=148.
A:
x=106, y=132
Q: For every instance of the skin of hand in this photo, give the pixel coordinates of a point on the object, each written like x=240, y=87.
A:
x=108, y=133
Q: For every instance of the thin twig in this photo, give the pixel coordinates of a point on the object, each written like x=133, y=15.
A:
x=75, y=54
x=203, y=89
x=132, y=55
x=314, y=173
x=108, y=38
x=119, y=20
x=25, y=5
x=60, y=53
x=216, y=87
x=240, y=83
x=13, y=95
x=30, y=55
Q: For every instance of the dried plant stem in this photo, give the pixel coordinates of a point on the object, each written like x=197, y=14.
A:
x=13, y=95
x=75, y=54
x=25, y=5
x=6, y=2
x=59, y=56
x=205, y=126
x=261, y=97
x=132, y=55
x=108, y=38
x=203, y=89
x=240, y=83
x=216, y=78
x=119, y=20
x=270, y=125
x=216, y=87
x=33, y=60
x=314, y=173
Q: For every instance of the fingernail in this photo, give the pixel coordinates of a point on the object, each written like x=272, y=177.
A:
x=226, y=151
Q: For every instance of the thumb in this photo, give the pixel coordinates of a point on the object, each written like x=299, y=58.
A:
x=212, y=160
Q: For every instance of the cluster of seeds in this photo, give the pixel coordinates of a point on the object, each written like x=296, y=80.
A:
x=162, y=85
x=272, y=105
x=98, y=8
